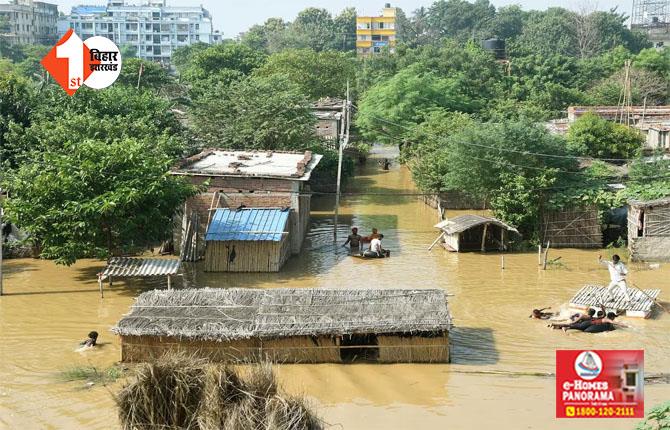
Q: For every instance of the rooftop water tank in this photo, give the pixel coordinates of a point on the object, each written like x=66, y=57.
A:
x=496, y=46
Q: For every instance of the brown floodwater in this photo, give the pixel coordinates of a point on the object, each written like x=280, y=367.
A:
x=500, y=357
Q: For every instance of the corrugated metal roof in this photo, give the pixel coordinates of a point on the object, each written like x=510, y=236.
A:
x=140, y=267
x=255, y=224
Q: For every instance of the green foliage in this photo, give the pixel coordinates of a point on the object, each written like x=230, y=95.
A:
x=153, y=75
x=223, y=58
x=96, y=199
x=497, y=163
x=92, y=374
x=593, y=136
x=316, y=74
x=264, y=113
x=650, y=179
x=389, y=108
x=458, y=19
x=16, y=105
x=313, y=28
x=658, y=418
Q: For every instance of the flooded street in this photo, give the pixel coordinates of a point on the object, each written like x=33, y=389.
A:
x=501, y=358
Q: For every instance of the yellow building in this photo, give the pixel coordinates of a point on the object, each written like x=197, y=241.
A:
x=374, y=33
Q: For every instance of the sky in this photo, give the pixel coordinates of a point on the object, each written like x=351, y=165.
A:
x=232, y=17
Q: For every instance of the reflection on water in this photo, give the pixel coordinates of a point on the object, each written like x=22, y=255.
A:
x=49, y=308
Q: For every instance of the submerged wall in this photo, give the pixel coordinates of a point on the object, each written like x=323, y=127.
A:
x=297, y=349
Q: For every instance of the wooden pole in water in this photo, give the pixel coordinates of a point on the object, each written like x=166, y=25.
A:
x=486, y=227
x=539, y=254
x=436, y=240
x=502, y=262
x=102, y=295
x=546, y=253
x=169, y=282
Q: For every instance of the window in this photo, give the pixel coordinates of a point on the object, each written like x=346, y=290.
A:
x=631, y=379
x=381, y=25
x=362, y=37
x=376, y=38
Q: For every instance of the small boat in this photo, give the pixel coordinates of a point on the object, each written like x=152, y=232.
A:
x=367, y=255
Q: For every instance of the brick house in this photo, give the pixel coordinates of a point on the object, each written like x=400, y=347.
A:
x=249, y=179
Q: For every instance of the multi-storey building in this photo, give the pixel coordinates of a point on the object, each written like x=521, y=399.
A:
x=154, y=29
x=374, y=33
x=24, y=22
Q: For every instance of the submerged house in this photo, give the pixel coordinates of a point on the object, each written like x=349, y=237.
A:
x=306, y=325
x=251, y=179
x=475, y=233
x=649, y=230
x=329, y=114
x=248, y=240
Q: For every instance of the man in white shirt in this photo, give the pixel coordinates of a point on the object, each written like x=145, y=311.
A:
x=376, y=245
x=618, y=274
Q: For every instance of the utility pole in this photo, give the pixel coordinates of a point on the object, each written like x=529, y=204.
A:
x=344, y=141
x=2, y=242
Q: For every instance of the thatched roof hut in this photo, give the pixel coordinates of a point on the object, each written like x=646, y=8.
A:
x=289, y=325
x=649, y=229
x=475, y=233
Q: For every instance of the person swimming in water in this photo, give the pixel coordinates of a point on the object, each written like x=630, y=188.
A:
x=539, y=314
x=91, y=341
x=575, y=320
x=602, y=324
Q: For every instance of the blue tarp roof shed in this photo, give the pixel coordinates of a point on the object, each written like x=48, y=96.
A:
x=253, y=224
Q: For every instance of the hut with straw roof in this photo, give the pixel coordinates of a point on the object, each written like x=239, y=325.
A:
x=289, y=325
x=474, y=233
x=649, y=229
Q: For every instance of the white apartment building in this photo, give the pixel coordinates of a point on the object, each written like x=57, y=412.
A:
x=154, y=29
x=27, y=22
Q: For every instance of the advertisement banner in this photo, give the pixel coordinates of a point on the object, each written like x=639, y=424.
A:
x=600, y=384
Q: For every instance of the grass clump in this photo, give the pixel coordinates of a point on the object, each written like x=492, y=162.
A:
x=181, y=392
x=91, y=374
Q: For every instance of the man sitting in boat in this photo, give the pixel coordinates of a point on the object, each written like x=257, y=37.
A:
x=618, y=274
x=376, y=250
x=374, y=235
x=353, y=240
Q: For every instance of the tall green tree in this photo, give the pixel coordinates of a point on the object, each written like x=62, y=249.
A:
x=263, y=113
x=96, y=199
x=317, y=74
x=593, y=136
x=17, y=102
x=389, y=109
x=345, y=30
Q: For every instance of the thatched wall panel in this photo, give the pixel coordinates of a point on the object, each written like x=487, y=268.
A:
x=302, y=349
x=415, y=349
x=250, y=256
x=149, y=348
x=573, y=228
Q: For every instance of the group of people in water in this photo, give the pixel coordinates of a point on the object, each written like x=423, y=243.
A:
x=375, y=249
x=595, y=320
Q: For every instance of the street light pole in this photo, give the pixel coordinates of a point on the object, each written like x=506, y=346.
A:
x=343, y=144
